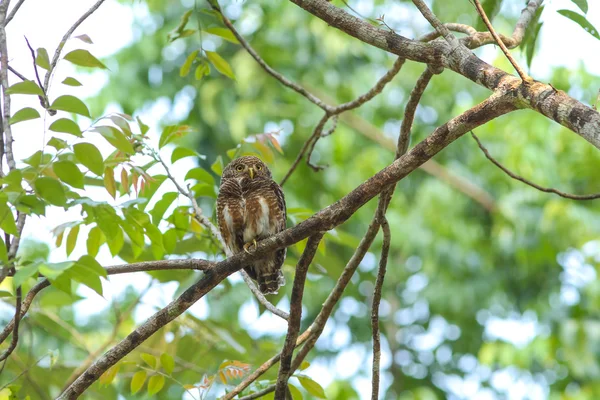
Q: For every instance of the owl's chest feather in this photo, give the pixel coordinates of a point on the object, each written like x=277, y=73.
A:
x=257, y=221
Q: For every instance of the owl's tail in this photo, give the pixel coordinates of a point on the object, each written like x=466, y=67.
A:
x=270, y=282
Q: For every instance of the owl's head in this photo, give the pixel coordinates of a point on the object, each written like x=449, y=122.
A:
x=246, y=167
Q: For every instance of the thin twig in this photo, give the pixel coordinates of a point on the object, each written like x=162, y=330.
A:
x=374, y=91
x=63, y=41
x=316, y=133
x=263, y=368
x=385, y=250
x=17, y=73
x=295, y=313
x=528, y=182
x=26, y=370
x=461, y=28
x=15, y=331
x=13, y=12
x=261, y=297
x=286, y=82
x=500, y=43
x=37, y=75
x=436, y=23
x=160, y=265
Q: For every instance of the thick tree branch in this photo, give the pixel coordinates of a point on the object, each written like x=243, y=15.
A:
x=8, y=138
x=295, y=314
x=528, y=182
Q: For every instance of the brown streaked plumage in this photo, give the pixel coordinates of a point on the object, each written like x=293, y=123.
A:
x=251, y=207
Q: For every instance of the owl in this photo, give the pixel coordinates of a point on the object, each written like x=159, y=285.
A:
x=251, y=207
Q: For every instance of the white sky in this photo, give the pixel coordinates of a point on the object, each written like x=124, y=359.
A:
x=44, y=23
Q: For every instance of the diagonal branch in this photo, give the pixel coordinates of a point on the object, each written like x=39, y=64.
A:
x=500, y=42
x=286, y=82
x=15, y=331
x=295, y=314
x=13, y=11
x=528, y=182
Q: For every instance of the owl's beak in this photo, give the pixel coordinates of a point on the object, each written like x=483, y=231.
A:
x=251, y=172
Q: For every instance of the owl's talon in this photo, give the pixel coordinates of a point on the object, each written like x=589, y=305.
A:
x=248, y=245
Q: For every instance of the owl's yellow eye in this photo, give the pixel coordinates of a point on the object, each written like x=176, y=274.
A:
x=240, y=168
x=258, y=167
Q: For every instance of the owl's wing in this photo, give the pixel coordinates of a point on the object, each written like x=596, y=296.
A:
x=281, y=204
x=230, y=214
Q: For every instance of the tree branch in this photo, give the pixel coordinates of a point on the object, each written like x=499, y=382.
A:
x=261, y=297
x=528, y=182
x=13, y=11
x=286, y=82
x=17, y=73
x=486, y=21
x=295, y=314
x=385, y=250
x=15, y=330
x=8, y=138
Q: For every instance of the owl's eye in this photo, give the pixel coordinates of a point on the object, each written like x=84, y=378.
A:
x=240, y=168
x=258, y=167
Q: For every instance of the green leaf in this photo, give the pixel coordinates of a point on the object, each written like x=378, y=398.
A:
x=218, y=166
x=183, y=152
x=42, y=59
x=185, y=68
x=296, y=394
x=167, y=363
x=312, y=387
x=89, y=156
x=92, y=265
x=65, y=125
x=94, y=241
x=155, y=384
x=38, y=158
x=171, y=133
x=150, y=188
x=138, y=381
x=170, y=240
x=24, y=114
x=68, y=172
x=581, y=21
x=51, y=190
x=109, y=222
x=57, y=143
x=54, y=270
x=161, y=206
x=220, y=64
x=224, y=33
x=71, y=81
x=176, y=33
x=25, y=87
x=201, y=175
x=150, y=360
x=23, y=273
x=72, y=239
x=71, y=104
x=582, y=4
x=116, y=138
x=84, y=58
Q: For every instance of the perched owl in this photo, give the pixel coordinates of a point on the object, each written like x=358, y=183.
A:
x=251, y=207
